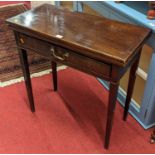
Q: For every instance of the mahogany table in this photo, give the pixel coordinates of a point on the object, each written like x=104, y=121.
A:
x=98, y=46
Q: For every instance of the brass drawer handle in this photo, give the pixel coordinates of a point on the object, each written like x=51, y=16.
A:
x=21, y=40
x=65, y=55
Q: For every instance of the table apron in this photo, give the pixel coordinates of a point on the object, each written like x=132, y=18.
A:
x=65, y=56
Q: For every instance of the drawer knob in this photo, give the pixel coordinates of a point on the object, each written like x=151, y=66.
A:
x=64, y=56
x=21, y=40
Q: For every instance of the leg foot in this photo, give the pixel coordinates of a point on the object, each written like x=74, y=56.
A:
x=152, y=140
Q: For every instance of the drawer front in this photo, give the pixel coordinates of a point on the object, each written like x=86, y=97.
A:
x=81, y=62
x=65, y=56
x=37, y=45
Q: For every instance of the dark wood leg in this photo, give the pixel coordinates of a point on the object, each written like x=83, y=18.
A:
x=111, y=108
x=132, y=78
x=26, y=73
x=152, y=140
x=54, y=74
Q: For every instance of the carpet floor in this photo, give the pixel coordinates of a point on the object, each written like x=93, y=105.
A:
x=71, y=120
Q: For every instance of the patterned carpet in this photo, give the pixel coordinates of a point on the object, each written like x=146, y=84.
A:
x=9, y=60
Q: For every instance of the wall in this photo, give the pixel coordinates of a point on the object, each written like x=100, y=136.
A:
x=37, y=3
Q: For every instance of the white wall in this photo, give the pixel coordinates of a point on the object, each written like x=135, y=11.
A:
x=37, y=3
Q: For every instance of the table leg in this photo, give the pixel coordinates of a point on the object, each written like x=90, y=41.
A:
x=26, y=73
x=132, y=78
x=152, y=140
x=111, y=108
x=54, y=74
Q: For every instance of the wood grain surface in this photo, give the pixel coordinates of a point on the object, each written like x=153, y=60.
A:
x=98, y=37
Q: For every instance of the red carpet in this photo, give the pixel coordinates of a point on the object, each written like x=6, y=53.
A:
x=69, y=121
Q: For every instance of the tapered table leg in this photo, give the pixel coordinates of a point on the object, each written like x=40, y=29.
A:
x=111, y=108
x=132, y=78
x=54, y=74
x=26, y=73
x=152, y=140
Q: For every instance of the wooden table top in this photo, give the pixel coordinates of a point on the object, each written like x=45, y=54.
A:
x=97, y=37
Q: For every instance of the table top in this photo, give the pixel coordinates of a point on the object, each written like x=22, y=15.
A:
x=97, y=37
